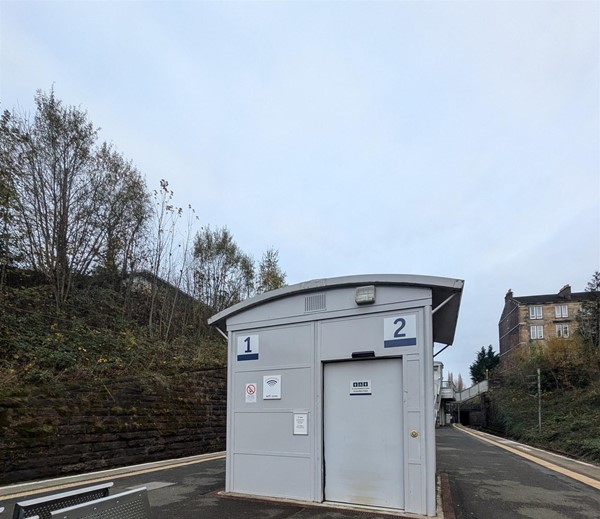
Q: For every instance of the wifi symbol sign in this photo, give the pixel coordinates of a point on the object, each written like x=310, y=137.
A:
x=272, y=387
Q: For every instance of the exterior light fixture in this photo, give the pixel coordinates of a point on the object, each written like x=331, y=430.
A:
x=365, y=295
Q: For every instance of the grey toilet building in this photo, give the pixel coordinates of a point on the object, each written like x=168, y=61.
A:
x=330, y=390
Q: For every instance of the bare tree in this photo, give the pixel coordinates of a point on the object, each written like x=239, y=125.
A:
x=125, y=211
x=157, y=246
x=165, y=219
x=184, y=266
x=588, y=317
x=6, y=199
x=223, y=274
x=459, y=383
x=67, y=192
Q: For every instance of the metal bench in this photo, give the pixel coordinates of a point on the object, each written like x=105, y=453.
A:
x=43, y=506
x=132, y=504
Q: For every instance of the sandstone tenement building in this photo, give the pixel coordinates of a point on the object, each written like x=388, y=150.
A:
x=536, y=318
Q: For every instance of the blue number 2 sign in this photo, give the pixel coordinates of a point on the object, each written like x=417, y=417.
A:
x=247, y=347
x=400, y=331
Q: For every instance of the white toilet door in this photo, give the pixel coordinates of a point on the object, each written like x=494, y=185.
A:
x=363, y=452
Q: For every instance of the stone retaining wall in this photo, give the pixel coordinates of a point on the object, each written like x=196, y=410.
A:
x=111, y=424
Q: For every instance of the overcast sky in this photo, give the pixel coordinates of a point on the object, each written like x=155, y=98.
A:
x=456, y=139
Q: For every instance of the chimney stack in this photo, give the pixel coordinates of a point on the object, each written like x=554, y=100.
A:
x=565, y=292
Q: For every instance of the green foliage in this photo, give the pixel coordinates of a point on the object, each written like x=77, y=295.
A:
x=93, y=338
x=569, y=363
x=570, y=419
x=486, y=361
x=570, y=383
x=270, y=275
x=563, y=363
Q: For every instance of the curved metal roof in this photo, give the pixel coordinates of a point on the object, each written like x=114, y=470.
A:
x=446, y=295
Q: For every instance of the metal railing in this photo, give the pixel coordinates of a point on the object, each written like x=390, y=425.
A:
x=473, y=391
x=450, y=392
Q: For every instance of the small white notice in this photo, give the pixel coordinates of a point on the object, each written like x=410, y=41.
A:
x=272, y=387
x=251, y=393
x=360, y=387
x=301, y=424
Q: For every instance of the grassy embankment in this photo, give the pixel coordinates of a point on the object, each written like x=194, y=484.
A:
x=570, y=381
x=570, y=419
x=140, y=330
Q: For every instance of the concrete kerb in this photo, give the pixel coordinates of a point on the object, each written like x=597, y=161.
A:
x=445, y=496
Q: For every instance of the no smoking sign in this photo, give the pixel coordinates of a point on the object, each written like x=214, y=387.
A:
x=250, y=393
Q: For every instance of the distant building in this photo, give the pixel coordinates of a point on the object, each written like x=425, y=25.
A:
x=537, y=318
x=145, y=281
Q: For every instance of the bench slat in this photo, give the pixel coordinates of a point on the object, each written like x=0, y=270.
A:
x=132, y=504
x=43, y=506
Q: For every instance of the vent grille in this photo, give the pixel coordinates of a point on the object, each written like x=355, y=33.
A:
x=314, y=303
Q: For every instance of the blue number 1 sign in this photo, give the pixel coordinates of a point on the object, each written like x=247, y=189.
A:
x=247, y=347
x=400, y=330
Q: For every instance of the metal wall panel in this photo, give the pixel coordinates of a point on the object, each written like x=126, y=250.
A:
x=266, y=457
x=273, y=476
x=340, y=338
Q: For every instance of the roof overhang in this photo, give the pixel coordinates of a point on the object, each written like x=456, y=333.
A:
x=446, y=297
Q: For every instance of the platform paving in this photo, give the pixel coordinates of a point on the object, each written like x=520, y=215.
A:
x=483, y=477
x=487, y=481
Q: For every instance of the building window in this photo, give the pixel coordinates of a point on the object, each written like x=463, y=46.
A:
x=562, y=330
x=535, y=312
x=536, y=332
x=561, y=311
